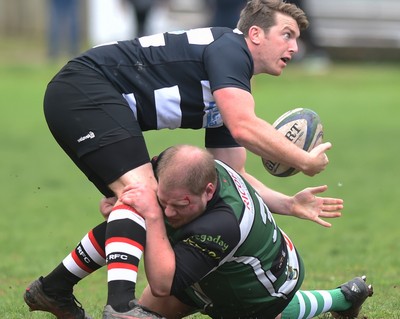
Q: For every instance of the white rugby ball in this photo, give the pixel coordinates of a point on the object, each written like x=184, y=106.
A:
x=302, y=127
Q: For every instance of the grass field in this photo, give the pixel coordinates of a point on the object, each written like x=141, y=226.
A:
x=48, y=205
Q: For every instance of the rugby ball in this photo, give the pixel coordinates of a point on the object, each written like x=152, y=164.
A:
x=302, y=127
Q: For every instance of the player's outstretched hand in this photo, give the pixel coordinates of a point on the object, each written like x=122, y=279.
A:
x=307, y=205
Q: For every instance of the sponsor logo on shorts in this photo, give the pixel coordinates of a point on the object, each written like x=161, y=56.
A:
x=89, y=135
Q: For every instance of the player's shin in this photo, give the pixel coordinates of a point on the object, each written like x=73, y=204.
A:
x=87, y=257
x=125, y=241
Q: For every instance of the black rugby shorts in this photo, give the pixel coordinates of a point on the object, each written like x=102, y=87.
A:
x=94, y=125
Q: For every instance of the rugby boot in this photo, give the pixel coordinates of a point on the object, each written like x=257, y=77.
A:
x=136, y=312
x=63, y=307
x=355, y=291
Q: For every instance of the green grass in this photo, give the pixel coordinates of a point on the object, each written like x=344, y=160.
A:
x=48, y=205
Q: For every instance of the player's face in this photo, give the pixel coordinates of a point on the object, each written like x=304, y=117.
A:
x=277, y=46
x=180, y=206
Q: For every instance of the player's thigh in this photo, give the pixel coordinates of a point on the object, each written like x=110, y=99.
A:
x=120, y=164
x=85, y=112
x=94, y=125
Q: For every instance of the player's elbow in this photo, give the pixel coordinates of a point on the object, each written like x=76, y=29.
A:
x=160, y=287
x=160, y=290
x=240, y=134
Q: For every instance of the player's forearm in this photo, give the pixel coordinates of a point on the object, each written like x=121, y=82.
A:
x=262, y=139
x=159, y=258
x=258, y=136
x=277, y=202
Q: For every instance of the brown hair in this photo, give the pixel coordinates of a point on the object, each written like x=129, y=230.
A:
x=186, y=166
x=262, y=13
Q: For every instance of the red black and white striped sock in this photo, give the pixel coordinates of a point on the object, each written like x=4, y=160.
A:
x=125, y=241
x=87, y=257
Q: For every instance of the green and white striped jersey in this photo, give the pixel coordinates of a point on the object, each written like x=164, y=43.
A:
x=233, y=261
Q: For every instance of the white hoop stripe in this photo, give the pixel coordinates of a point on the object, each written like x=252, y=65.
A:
x=118, y=247
x=122, y=213
x=92, y=252
x=73, y=267
x=121, y=274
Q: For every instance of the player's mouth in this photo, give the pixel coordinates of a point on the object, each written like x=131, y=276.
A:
x=285, y=60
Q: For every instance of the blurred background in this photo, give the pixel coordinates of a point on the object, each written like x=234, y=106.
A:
x=347, y=71
x=56, y=29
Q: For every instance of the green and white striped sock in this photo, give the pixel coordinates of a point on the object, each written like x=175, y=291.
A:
x=311, y=303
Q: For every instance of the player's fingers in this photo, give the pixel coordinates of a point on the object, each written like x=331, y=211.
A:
x=323, y=222
x=326, y=214
x=331, y=208
x=318, y=189
x=332, y=201
x=325, y=146
x=321, y=148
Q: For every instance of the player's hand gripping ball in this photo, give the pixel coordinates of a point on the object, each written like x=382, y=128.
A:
x=302, y=127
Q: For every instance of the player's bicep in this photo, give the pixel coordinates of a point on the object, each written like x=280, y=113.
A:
x=235, y=105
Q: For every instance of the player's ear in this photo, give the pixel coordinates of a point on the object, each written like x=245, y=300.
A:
x=155, y=160
x=255, y=34
x=210, y=190
x=154, y=163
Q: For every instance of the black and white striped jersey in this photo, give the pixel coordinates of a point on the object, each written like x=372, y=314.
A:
x=168, y=78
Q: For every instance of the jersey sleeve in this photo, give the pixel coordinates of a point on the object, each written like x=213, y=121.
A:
x=228, y=63
x=203, y=245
